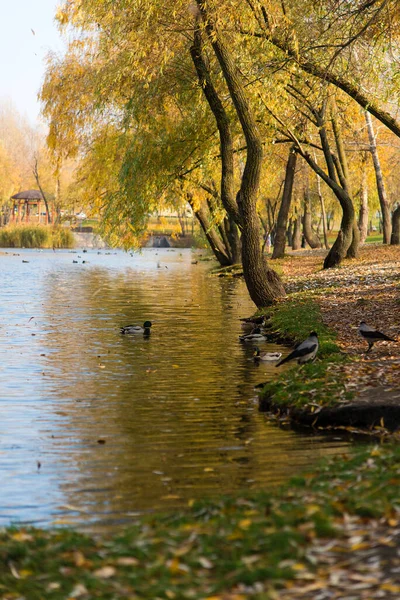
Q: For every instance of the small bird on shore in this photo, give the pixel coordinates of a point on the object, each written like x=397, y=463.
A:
x=371, y=335
x=256, y=334
x=304, y=352
x=267, y=356
x=129, y=329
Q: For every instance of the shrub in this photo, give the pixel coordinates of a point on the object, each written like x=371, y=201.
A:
x=36, y=236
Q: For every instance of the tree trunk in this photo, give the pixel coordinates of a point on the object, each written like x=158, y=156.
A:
x=323, y=211
x=354, y=247
x=363, y=216
x=311, y=238
x=280, y=236
x=213, y=239
x=289, y=233
x=296, y=238
x=395, y=239
x=36, y=174
x=385, y=208
x=263, y=284
x=235, y=244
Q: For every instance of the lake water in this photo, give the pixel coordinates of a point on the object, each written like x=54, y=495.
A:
x=176, y=413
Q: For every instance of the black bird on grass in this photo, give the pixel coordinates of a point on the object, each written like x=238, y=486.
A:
x=371, y=335
x=304, y=352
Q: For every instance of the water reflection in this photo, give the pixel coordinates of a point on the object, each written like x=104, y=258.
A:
x=175, y=413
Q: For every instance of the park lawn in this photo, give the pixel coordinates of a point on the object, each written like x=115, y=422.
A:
x=232, y=548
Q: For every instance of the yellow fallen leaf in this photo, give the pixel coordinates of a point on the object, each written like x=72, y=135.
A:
x=298, y=567
x=208, y=469
x=311, y=509
x=244, y=523
x=176, y=567
x=390, y=587
x=236, y=535
x=79, y=559
x=24, y=573
x=175, y=366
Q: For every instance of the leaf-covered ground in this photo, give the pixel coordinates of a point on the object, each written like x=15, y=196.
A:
x=332, y=534
x=366, y=289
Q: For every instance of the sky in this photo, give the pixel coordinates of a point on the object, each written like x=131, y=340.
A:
x=23, y=52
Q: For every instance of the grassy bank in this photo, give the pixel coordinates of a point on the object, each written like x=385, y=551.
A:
x=36, y=236
x=316, y=384
x=233, y=548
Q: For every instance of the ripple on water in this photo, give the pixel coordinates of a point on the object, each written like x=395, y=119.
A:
x=176, y=412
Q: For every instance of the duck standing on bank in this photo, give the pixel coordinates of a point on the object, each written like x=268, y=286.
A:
x=371, y=335
x=132, y=329
x=304, y=352
x=249, y=323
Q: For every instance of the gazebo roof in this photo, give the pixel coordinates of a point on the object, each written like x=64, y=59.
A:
x=28, y=195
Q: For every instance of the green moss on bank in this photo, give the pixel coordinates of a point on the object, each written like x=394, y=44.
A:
x=241, y=546
x=320, y=383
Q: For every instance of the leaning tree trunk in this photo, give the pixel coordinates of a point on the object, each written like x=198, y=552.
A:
x=363, y=216
x=383, y=200
x=395, y=238
x=263, y=284
x=213, y=239
x=345, y=236
x=280, y=236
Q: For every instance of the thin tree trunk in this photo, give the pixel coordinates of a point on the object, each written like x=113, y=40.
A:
x=323, y=211
x=296, y=239
x=342, y=169
x=280, y=236
x=311, y=238
x=213, y=239
x=383, y=200
x=36, y=175
x=395, y=238
x=363, y=216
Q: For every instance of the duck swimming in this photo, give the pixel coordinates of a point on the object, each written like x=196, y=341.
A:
x=255, y=335
x=137, y=328
x=267, y=356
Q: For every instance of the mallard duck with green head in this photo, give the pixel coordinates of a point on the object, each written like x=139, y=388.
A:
x=132, y=329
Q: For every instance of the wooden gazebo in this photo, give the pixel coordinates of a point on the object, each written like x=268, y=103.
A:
x=28, y=207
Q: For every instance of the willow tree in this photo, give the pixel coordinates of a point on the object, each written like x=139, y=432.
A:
x=344, y=44
x=126, y=70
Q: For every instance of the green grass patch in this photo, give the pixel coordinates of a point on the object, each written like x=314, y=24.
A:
x=36, y=236
x=321, y=382
x=212, y=547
